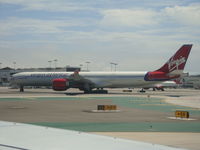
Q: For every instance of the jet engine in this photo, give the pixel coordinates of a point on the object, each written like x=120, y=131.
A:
x=60, y=84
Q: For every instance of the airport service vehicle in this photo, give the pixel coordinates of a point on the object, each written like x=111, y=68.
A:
x=87, y=81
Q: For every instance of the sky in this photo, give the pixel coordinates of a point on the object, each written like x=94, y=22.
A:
x=138, y=35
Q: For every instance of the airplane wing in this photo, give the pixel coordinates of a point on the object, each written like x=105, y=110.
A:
x=18, y=136
x=76, y=77
x=78, y=81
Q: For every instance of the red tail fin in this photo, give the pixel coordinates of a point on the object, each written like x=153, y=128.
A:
x=178, y=61
x=173, y=68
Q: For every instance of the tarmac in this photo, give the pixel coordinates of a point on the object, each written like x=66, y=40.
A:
x=143, y=116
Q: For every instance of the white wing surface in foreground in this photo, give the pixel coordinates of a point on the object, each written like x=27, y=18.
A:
x=17, y=136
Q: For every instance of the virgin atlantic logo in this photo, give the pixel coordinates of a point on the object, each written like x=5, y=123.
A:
x=174, y=64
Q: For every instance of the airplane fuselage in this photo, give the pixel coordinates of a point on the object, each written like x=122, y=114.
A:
x=98, y=79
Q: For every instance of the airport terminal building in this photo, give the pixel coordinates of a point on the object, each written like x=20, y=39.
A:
x=7, y=72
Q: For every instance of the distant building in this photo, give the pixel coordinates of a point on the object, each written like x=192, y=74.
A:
x=57, y=69
x=192, y=81
x=72, y=69
x=7, y=72
x=5, y=75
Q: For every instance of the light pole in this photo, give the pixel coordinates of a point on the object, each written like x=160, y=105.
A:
x=111, y=66
x=81, y=65
x=115, y=65
x=14, y=64
x=55, y=61
x=87, y=62
x=50, y=63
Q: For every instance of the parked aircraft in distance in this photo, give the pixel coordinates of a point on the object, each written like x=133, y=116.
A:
x=87, y=81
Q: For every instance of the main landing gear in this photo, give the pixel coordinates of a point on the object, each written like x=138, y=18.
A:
x=21, y=89
x=142, y=91
x=97, y=91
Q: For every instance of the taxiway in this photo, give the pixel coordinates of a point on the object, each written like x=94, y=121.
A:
x=143, y=116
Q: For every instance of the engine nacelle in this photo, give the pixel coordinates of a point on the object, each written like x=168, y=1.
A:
x=60, y=84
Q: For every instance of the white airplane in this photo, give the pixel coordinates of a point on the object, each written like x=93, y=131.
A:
x=18, y=136
x=87, y=81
